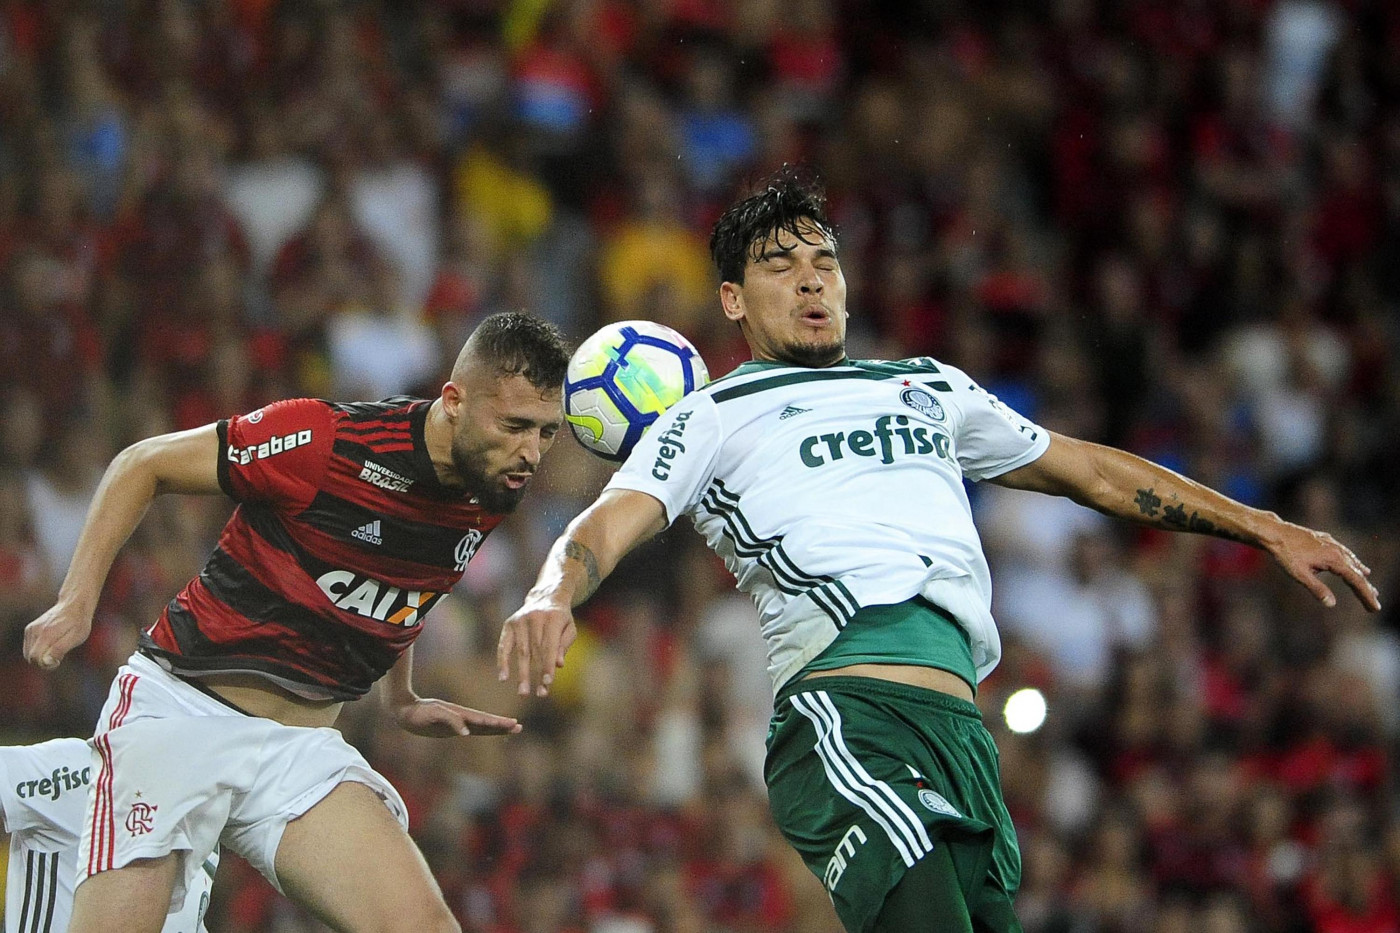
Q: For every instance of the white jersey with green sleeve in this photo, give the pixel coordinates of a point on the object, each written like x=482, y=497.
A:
x=828, y=490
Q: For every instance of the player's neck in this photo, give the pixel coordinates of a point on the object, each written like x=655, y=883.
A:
x=762, y=359
x=437, y=438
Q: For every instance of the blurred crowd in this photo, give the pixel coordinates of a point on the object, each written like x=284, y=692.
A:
x=1168, y=225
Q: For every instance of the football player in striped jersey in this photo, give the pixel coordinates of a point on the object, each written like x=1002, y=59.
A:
x=352, y=521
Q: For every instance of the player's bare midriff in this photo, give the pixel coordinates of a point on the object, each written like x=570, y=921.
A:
x=930, y=678
x=259, y=697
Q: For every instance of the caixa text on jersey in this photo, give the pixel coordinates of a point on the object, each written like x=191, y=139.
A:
x=376, y=600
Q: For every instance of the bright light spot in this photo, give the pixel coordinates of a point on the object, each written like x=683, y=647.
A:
x=1025, y=710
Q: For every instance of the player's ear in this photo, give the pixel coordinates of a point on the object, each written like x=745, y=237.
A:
x=451, y=399
x=731, y=299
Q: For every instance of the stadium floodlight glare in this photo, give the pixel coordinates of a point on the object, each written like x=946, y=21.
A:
x=1025, y=710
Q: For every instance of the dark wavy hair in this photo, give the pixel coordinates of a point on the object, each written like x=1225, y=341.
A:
x=519, y=344
x=780, y=202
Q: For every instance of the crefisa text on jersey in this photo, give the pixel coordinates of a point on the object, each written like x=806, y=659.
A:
x=54, y=785
x=816, y=449
x=670, y=446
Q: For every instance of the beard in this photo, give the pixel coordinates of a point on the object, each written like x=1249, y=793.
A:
x=813, y=354
x=490, y=492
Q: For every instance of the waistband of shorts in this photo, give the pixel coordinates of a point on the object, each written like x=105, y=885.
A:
x=874, y=686
x=193, y=698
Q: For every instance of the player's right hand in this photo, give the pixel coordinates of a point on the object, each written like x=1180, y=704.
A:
x=49, y=638
x=535, y=638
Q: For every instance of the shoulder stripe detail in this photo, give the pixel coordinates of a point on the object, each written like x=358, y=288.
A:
x=379, y=434
x=815, y=375
x=787, y=379
x=353, y=445
x=400, y=424
x=919, y=365
x=919, y=368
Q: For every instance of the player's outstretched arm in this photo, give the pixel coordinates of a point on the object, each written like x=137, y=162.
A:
x=536, y=637
x=1118, y=483
x=186, y=461
x=435, y=718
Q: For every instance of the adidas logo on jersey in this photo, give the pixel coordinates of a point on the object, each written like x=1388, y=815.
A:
x=792, y=410
x=368, y=533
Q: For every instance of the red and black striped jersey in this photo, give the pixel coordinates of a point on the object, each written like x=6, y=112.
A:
x=342, y=541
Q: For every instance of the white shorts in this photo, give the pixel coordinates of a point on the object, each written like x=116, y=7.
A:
x=178, y=771
x=44, y=791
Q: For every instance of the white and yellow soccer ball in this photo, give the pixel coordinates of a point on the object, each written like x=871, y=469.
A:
x=622, y=378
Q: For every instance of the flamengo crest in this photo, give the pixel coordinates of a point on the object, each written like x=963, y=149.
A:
x=138, y=821
x=466, y=548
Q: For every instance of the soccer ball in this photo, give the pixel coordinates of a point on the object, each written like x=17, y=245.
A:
x=622, y=378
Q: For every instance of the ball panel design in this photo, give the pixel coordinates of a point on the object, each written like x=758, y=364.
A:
x=622, y=378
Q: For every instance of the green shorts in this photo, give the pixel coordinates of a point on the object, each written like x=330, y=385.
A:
x=865, y=777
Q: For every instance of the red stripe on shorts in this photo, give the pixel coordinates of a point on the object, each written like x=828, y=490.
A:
x=109, y=827
x=104, y=828
x=128, y=686
x=95, y=843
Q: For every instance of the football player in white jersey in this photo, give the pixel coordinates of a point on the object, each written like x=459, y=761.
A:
x=43, y=796
x=833, y=489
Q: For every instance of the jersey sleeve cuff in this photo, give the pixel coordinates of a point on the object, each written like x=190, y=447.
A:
x=221, y=465
x=619, y=481
x=1032, y=454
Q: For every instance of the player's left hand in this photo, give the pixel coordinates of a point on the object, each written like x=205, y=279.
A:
x=1305, y=553
x=439, y=718
x=536, y=639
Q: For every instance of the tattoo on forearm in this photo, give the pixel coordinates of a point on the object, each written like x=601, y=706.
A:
x=1175, y=518
x=1147, y=502
x=579, y=552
